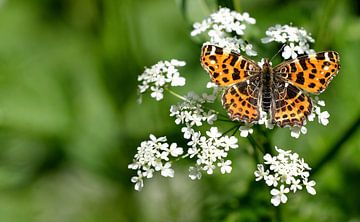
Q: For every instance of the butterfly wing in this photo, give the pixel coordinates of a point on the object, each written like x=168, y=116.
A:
x=226, y=67
x=290, y=105
x=311, y=73
x=241, y=100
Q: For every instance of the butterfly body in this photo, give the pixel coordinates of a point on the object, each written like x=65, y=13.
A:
x=267, y=79
x=251, y=89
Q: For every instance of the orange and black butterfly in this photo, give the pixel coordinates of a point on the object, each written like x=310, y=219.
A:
x=279, y=91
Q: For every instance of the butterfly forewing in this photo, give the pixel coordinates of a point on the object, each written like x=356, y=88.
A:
x=311, y=73
x=226, y=67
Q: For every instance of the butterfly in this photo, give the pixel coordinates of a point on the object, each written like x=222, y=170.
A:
x=281, y=91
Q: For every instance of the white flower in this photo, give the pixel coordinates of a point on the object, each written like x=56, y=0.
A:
x=296, y=131
x=160, y=75
x=286, y=170
x=229, y=142
x=324, y=118
x=166, y=170
x=187, y=131
x=246, y=17
x=260, y=173
x=279, y=195
x=272, y=180
x=152, y=156
x=295, y=185
x=246, y=130
x=175, y=150
x=310, y=186
x=225, y=166
x=249, y=50
x=264, y=119
x=211, y=85
x=157, y=93
x=213, y=133
x=290, y=51
x=138, y=180
x=195, y=173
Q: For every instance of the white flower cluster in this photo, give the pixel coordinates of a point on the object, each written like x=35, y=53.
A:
x=210, y=151
x=322, y=116
x=160, y=75
x=296, y=40
x=153, y=155
x=221, y=25
x=192, y=113
x=285, y=172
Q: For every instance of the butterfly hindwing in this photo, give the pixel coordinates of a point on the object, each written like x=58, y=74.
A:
x=241, y=101
x=311, y=73
x=226, y=67
x=290, y=105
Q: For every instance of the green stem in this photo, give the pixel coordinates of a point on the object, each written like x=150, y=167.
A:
x=278, y=217
x=254, y=143
x=231, y=129
x=333, y=151
x=177, y=95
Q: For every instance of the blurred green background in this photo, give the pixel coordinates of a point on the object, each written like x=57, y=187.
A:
x=70, y=123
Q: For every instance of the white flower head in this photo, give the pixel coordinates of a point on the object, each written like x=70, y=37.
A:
x=220, y=27
x=295, y=40
x=284, y=172
x=153, y=155
x=211, y=150
x=159, y=76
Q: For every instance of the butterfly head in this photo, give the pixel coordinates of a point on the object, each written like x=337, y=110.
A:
x=266, y=67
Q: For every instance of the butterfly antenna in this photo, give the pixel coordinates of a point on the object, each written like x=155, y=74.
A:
x=282, y=47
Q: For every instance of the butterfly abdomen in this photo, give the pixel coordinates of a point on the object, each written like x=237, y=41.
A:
x=266, y=87
x=266, y=95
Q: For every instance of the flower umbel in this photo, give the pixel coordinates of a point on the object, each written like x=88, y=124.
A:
x=210, y=151
x=159, y=76
x=220, y=26
x=284, y=172
x=296, y=40
x=153, y=155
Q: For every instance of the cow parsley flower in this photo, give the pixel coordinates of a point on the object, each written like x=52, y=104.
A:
x=220, y=27
x=284, y=172
x=296, y=131
x=246, y=130
x=296, y=40
x=159, y=76
x=153, y=155
x=210, y=150
x=279, y=195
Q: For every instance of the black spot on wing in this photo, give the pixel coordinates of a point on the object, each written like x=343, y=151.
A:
x=303, y=64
